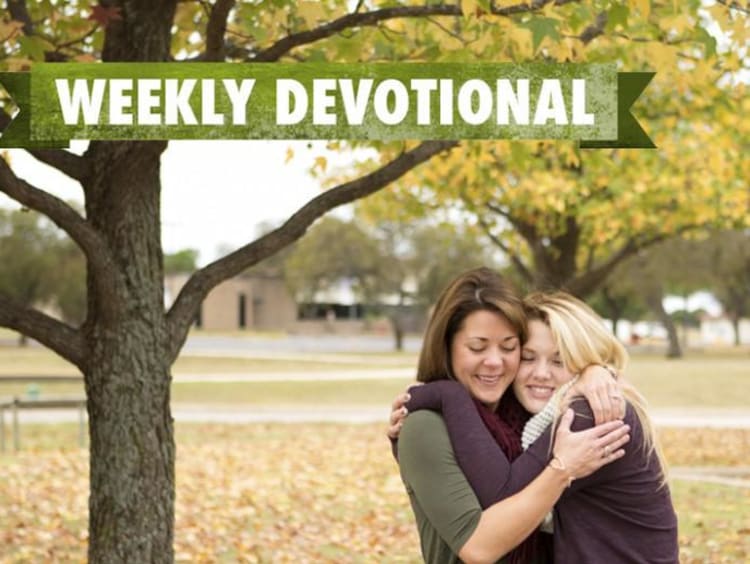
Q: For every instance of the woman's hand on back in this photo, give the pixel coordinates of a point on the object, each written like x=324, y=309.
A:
x=584, y=452
x=399, y=412
x=599, y=385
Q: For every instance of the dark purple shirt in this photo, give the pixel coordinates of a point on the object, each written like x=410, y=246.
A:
x=619, y=514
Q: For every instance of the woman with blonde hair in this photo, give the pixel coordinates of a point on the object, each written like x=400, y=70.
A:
x=623, y=512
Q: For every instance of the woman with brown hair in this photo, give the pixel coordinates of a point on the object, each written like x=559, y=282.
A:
x=474, y=337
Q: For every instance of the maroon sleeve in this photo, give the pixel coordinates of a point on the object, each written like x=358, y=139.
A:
x=584, y=419
x=491, y=475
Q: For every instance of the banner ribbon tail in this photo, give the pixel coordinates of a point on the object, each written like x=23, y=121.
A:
x=630, y=134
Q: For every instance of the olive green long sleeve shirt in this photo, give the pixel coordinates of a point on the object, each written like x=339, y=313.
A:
x=445, y=507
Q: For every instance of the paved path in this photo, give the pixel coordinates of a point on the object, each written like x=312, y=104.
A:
x=301, y=376
x=325, y=343
x=354, y=357
x=290, y=413
x=701, y=417
x=738, y=476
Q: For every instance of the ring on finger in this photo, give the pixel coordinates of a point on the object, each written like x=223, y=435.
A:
x=606, y=451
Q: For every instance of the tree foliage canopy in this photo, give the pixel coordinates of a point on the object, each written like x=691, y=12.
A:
x=181, y=262
x=565, y=216
x=382, y=262
x=40, y=268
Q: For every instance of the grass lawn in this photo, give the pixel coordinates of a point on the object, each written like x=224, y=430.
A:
x=714, y=522
x=344, y=392
x=37, y=361
x=703, y=379
x=330, y=393
x=287, y=493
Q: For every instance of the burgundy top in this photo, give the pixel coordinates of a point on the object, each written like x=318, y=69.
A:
x=619, y=514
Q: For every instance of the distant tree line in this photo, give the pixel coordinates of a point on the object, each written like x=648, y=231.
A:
x=397, y=268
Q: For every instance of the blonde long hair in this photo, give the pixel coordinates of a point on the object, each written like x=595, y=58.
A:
x=583, y=340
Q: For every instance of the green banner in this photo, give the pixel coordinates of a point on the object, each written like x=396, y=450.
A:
x=631, y=135
x=59, y=102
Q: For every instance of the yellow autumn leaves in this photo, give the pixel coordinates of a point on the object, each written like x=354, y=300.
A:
x=321, y=493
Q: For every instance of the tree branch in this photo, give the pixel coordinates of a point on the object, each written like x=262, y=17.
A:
x=56, y=335
x=181, y=314
x=587, y=282
x=75, y=166
x=734, y=5
x=65, y=217
x=375, y=17
x=595, y=29
x=514, y=257
x=215, y=30
x=19, y=12
x=524, y=228
x=497, y=210
x=566, y=245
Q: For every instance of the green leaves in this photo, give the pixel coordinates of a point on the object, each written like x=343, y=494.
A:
x=32, y=47
x=707, y=40
x=39, y=265
x=541, y=28
x=617, y=16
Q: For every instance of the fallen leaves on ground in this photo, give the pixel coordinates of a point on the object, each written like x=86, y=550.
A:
x=714, y=522
x=706, y=447
x=308, y=493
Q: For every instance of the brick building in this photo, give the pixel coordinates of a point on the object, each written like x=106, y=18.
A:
x=255, y=302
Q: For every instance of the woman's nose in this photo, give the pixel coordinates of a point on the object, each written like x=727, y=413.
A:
x=493, y=358
x=542, y=371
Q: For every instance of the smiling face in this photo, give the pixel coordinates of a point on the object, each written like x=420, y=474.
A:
x=485, y=355
x=542, y=371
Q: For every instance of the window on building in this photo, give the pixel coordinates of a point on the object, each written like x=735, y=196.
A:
x=242, y=317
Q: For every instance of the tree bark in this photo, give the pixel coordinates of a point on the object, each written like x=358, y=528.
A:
x=398, y=332
x=615, y=308
x=126, y=373
x=654, y=300
x=131, y=504
x=736, y=329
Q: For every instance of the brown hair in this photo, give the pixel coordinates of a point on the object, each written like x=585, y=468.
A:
x=475, y=290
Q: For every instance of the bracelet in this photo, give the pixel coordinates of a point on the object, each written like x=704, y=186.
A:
x=612, y=371
x=557, y=463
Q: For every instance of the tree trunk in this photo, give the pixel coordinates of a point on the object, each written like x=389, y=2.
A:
x=615, y=308
x=685, y=323
x=654, y=300
x=674, y=350
x=398, y=332
x=736, y=329
x=131, y=505
x=127, y=376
